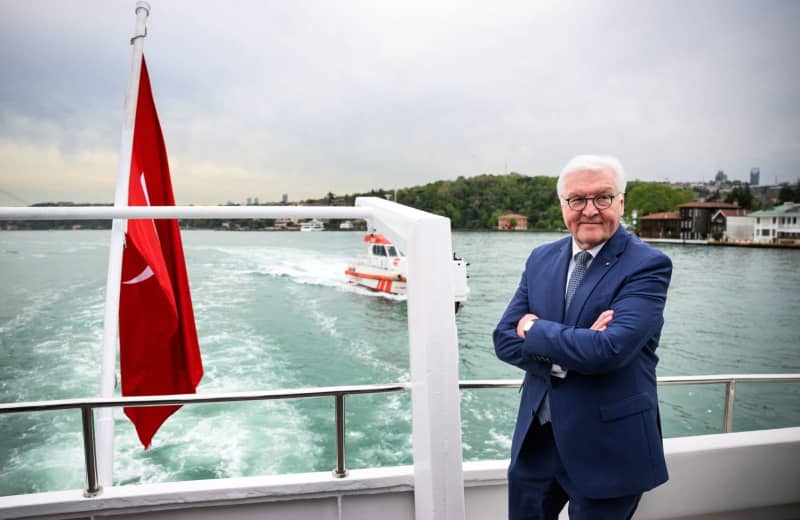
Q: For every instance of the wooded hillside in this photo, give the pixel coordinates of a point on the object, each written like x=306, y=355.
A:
x=476, y=202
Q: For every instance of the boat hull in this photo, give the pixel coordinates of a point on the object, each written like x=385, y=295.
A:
x=375, y=280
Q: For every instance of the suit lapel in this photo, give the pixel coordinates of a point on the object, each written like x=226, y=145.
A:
x=552, y=280
x=604, y=261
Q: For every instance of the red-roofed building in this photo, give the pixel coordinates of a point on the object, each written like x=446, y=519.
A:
x=696, y=218
x=664, y=224
x=512, y=221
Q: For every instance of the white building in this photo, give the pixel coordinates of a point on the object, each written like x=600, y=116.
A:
x=739, y=228
x=733, y=224
x=779, y=225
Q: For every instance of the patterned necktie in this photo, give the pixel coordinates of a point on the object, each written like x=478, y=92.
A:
x=581, y=259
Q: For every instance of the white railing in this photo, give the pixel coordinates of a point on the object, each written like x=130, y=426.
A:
x=433, y=342
x=186, y=212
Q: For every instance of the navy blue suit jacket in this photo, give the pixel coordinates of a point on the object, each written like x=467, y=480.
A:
x=605, y=413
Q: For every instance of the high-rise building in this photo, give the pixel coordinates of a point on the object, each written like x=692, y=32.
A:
x=285, y=198
x=755, y=176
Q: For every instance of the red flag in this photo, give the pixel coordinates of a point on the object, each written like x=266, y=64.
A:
x=159, y=353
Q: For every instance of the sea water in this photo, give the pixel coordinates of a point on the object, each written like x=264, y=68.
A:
x=275, y=311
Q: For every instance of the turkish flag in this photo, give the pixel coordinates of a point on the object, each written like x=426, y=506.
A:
x=159, y=352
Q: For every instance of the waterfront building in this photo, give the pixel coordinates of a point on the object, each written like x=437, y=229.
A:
x=284, y=223
x=779, y=225
x=512, y=221
x=732, y=224
x=664, y=224
x=696, y=218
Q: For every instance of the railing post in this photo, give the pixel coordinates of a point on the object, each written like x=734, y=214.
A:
x=433, y=356
x=93, y=488
x=340, y=471
x=433, y=371
x=730, y=394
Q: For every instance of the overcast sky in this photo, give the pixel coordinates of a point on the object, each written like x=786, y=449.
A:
x=257, y=99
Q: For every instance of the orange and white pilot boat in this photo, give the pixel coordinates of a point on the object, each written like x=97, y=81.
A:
x=385, y=269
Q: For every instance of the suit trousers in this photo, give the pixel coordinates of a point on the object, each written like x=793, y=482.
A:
x=539, y=486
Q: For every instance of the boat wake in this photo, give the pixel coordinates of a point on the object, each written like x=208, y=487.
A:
x=300, y=266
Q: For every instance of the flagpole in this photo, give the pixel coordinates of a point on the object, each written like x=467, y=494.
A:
x=105, y=422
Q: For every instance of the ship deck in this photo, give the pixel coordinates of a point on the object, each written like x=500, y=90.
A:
x=740, y=475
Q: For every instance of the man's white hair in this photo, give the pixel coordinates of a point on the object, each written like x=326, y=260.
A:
x=593, y=163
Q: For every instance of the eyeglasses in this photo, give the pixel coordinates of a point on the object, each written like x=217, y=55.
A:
x=600, y=201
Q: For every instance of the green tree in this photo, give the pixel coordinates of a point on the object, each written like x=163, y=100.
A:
x=789, y=193
x=741, y=195
x=652, y=197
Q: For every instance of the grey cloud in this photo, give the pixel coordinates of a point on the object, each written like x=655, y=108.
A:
x=345, y=96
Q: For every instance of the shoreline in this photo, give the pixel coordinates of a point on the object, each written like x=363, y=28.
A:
x=680, y=241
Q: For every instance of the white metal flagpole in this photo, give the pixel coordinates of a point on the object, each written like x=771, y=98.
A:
x=105, y=421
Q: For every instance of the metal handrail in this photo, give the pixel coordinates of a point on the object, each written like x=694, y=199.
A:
x=88, y=405
x=730, y=387
x=182, y=212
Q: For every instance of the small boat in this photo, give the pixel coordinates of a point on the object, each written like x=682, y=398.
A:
x=312, y=225
x=385, y=269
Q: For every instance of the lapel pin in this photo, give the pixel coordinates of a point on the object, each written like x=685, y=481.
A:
x=608, y=263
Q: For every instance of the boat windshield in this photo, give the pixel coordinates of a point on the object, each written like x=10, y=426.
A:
x=392, y=251
x=378, y=250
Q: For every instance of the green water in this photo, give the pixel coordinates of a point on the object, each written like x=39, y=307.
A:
x=274, y=311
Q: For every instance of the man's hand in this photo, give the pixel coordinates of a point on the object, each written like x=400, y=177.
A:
x=600, y=324
x=522, y=321
x=602, y=321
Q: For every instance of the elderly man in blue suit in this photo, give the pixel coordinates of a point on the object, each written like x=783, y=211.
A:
x=584, y=325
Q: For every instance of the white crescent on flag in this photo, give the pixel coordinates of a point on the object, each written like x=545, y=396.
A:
x=139, y=278
x=147, y=272
x=144, y=188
